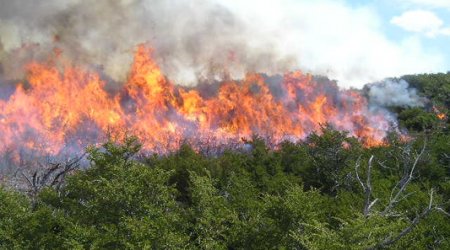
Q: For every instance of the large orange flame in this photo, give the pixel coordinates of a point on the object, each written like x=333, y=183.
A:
x=57, y=109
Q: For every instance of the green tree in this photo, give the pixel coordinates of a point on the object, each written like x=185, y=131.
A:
x=332, y=154
x=121, y=203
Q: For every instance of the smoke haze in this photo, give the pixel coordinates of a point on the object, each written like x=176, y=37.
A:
x=209, y=39
x=394, y=93
x=192, y=40
x=56, y=57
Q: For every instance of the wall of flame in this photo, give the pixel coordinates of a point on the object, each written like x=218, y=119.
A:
x=59, y=108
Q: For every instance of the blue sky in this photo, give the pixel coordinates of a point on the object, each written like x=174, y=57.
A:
x=356, y=41
x=389, y=10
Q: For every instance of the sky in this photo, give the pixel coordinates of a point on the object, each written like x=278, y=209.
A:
x=357, y=41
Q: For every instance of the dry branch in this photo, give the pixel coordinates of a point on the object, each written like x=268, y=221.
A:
x=367, y=187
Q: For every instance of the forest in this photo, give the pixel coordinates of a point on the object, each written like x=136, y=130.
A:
x=328, y=191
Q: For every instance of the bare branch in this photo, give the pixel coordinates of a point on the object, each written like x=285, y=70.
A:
x=403, y=183
x=49, y=175
x=368, y=190
x=446, y=155
x=27, y=179
x=371, y=205
x=68, y=167
x=442, y=211
x=383, y=165
x=391, y=240
x=367, y=187
x=357, y=165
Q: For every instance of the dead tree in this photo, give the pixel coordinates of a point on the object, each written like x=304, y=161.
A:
x=390, y=240
x=397, y=194
x=367, y=187
x=49, y=174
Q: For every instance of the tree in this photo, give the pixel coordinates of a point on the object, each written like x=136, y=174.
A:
x=120, y=203
x=332, y=152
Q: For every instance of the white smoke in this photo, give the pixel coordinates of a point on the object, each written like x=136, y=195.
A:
x=340, y=39
x=191, y=38
x=212, y=39
x=392, y=93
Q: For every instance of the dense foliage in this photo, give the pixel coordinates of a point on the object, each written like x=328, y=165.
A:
x=327, y=192
x=436, y=89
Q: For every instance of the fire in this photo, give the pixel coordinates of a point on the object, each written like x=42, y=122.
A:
x=69, y=108
x=439, y=114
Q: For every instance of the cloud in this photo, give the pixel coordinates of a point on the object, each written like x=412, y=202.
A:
x=421, y=21
x=335, y=39
x=428, y=3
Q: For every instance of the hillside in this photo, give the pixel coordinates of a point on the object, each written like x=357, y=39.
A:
x=326, y=192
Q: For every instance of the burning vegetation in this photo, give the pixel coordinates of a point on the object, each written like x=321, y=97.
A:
x=136, y=124
x=64, y=108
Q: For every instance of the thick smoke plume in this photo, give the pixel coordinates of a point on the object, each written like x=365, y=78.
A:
x=192, y=39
